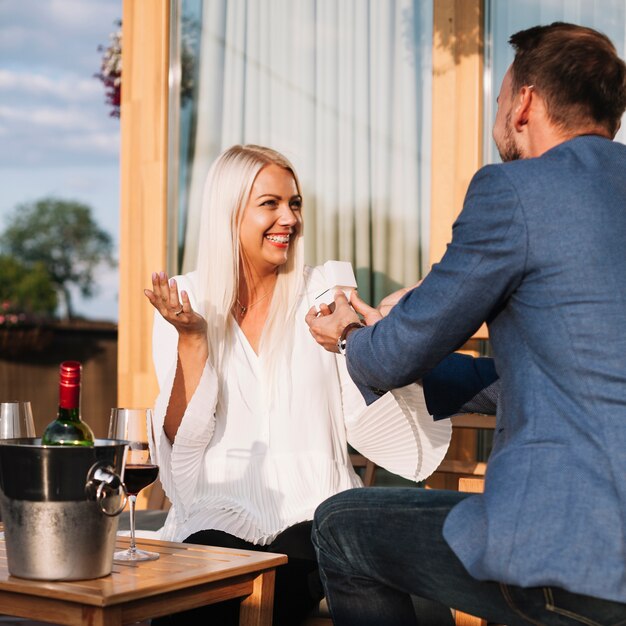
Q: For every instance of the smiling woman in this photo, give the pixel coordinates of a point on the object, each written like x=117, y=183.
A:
x=270, y=221
x=253, y=419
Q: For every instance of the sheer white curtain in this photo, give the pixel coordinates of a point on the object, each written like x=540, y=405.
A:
x=503, y=18
x=342, y=88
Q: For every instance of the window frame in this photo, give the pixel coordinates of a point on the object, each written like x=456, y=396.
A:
x=457, y=105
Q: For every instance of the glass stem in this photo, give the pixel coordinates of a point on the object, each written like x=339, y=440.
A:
x=133, y=547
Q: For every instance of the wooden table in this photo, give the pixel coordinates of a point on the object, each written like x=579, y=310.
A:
x=184, y=577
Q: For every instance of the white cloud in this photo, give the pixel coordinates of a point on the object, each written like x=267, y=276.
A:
x=95, y=143
x=36, y=134
x=13, y=35
x=55, y=33
x=55, y=118
x=70, y=87
x=77, y=13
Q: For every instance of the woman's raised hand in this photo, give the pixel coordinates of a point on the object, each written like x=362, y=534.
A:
x=174, y=309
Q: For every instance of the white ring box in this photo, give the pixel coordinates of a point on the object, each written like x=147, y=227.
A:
x=339, y=275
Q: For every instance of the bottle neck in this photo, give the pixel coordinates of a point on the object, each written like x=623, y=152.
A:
x=69, y=401
x=69, y=415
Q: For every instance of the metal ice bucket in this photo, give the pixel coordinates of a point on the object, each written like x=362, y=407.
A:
x=59, y=507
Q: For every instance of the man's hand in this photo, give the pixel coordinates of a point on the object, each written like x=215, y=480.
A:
x=386, y=304
x=327, y=325
x=370, y=314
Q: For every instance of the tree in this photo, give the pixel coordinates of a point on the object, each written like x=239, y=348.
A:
x=62, y=236
x=25, y=290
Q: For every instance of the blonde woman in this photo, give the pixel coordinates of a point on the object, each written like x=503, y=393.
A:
x=253, y=417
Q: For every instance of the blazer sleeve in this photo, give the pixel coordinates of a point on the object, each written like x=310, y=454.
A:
x=461, y=384
x=483, y=265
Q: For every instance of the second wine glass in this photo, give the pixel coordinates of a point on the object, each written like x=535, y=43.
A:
x=132, y=425
x=16, y=420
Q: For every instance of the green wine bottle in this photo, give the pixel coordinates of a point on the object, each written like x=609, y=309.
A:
x=68, y=429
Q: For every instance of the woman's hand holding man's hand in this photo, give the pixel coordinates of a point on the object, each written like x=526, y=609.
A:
x=327, y=324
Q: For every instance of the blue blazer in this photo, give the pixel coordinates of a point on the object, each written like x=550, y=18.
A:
x=539, y=252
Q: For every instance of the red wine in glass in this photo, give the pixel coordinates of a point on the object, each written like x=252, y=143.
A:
x=137, y=477
x=132, y=426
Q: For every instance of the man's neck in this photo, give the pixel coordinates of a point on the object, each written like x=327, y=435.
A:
x=553, y=136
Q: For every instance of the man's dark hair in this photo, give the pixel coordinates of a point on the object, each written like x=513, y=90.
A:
x=577, y=72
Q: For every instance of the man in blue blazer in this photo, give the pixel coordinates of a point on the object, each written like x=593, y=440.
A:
x=539, y=253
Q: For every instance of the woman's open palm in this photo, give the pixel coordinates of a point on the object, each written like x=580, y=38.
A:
x=175, y=308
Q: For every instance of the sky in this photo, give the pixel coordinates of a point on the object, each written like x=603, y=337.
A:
x=56, y=135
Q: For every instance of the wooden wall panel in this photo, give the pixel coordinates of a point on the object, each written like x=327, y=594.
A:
x=457, y=148
x=457, y=112
x=143, y=220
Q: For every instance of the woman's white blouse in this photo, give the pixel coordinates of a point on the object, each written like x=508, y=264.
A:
x=252, y=468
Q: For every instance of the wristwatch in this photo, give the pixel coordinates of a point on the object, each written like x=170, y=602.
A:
x=343, y=338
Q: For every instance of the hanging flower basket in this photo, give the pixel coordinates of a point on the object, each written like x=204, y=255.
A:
x=111, y=64
x=111, y=70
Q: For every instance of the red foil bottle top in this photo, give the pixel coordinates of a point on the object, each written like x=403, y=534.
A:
x=69, y=384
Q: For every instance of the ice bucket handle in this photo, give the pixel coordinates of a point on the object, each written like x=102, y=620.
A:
x=102, y=481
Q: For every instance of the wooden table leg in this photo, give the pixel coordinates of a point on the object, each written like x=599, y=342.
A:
x=256, y=609
x=96, y=616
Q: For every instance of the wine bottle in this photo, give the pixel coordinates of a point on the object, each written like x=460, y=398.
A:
x=68, y=429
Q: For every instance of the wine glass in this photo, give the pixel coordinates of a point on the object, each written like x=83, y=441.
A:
x=16, y=420
x=132, y=425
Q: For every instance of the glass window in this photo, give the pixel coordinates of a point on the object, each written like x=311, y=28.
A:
x=343, y=89
x=503, y=18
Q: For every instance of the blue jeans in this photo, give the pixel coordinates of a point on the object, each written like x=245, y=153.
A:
x=376, y=546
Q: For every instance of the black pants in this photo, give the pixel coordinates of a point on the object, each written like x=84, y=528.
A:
x=298, y=588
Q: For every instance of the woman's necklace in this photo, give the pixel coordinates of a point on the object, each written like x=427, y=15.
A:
x=244, y=309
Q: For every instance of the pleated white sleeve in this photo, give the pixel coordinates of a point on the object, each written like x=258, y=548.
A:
x=180, y=464
x=396, y=431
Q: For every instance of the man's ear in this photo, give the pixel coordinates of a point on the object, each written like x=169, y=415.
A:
x=521, y=112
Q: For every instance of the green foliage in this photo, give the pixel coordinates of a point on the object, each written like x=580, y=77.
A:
x=61, y=236
x=26, y=290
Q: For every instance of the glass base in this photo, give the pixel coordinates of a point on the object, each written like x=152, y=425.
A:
x=135, y=555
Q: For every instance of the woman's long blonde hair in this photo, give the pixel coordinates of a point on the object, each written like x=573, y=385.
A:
x=226, y=193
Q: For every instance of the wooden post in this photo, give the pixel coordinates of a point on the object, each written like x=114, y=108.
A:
x=456, y=143
x=457, y=112
x=145, y=58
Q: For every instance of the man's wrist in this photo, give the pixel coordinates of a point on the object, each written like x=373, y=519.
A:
x=343, y=338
